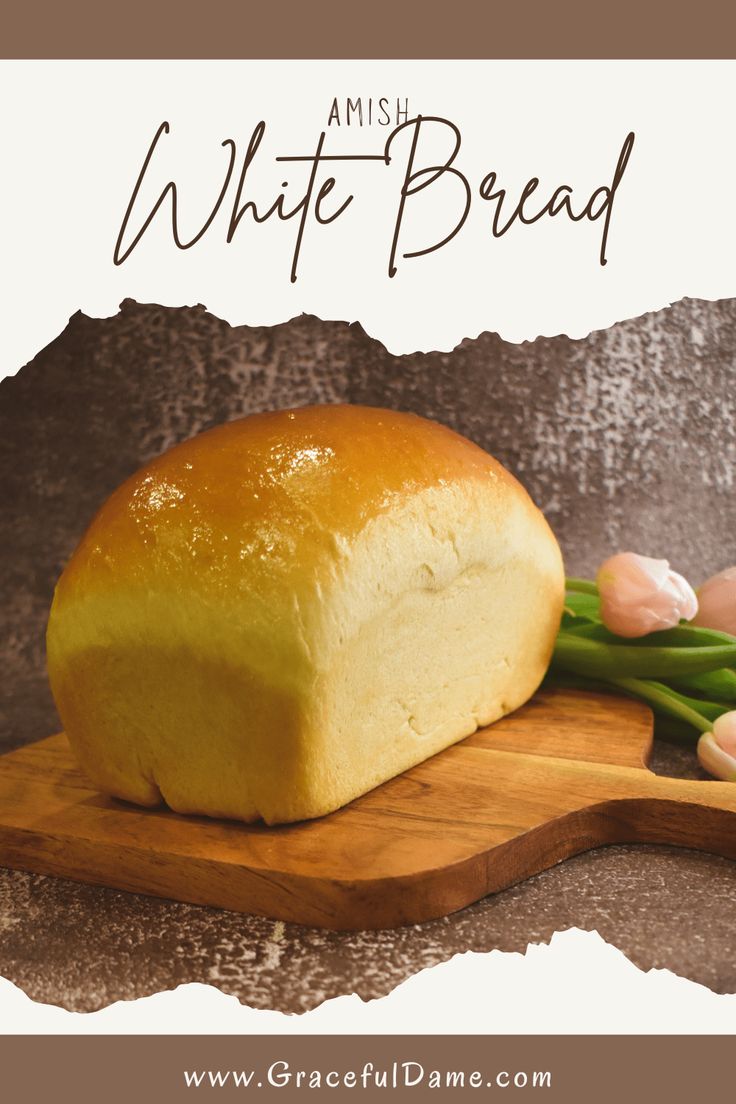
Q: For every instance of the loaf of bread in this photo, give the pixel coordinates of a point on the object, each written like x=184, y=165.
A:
x=281, y=613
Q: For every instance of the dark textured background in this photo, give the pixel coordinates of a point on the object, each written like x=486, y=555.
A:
x=626, y=438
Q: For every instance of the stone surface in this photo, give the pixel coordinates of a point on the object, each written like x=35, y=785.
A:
x=82, y=947
x=626, y=439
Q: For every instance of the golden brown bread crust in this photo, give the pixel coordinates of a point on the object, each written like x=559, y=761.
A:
x=236, y=603
x=233, y=489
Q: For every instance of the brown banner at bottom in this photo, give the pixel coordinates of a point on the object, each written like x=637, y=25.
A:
x=564, y=1068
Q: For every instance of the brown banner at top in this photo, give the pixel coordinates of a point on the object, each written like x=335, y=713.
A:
x=494, y=29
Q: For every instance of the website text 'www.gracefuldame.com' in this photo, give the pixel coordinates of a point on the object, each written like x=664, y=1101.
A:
x=404, y=1074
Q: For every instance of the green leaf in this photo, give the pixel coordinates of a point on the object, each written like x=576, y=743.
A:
x=686, y=636
x=585, y=607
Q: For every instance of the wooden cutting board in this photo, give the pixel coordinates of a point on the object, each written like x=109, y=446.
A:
x=564, y=774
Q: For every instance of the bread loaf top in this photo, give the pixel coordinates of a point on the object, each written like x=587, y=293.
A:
x=255, y=521
x=257, y=485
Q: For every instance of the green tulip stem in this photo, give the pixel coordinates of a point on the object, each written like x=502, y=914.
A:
x=581, y=586
x=662, y=700
x=576, y=654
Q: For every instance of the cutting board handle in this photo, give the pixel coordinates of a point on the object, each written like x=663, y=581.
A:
x=684, y=813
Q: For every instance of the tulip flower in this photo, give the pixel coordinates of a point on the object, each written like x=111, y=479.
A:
x=717, y=602
x=717, y=749
x=687, y=674
x=640, y=595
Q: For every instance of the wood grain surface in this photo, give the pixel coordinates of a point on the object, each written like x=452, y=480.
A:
x=564, y=774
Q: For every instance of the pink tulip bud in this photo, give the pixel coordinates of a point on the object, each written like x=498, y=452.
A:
x=717, y=602
x=640, y=595
x=717, y=749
